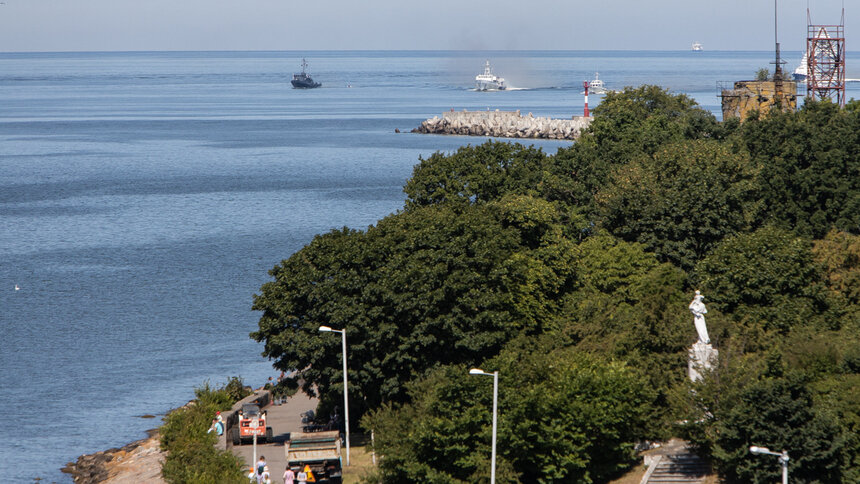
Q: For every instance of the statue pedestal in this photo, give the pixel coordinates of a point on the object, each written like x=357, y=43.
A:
x=703, y=357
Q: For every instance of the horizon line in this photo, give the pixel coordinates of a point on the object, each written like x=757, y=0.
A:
x=371, y=50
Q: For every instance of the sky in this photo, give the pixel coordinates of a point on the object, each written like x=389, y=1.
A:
x=126, y=25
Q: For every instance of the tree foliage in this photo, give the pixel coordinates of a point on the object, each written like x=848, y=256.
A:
x=563, y=417
x=191, y=454
x=681, y=201
x=475, y=174
x=571, y=273
x=768, y=280
x=809, y=167
x=427, y=287
x=627, y=125
x=777, y=413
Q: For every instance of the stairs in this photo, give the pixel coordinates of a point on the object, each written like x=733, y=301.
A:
x=676, y=466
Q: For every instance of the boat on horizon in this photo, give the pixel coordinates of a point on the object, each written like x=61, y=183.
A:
x=487, y=81
x=303, y=80
x=801, y=72
x=697, y=47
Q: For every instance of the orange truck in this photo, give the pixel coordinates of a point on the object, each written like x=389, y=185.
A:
x=251, y=422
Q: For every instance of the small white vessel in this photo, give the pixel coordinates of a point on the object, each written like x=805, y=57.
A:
x=487, y=81
x=17, y=288
x=697, y=47
x=596, y=85
x=801, y=72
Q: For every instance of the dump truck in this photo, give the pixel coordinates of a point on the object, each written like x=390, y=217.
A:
x=251, y=422
x=318, y=452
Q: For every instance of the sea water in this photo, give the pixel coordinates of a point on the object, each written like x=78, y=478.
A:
x=144, y=196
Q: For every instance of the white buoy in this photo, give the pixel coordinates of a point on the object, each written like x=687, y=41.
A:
x=17, y=288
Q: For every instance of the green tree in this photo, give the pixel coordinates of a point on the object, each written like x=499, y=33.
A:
x=838, y=253
x=431, y=286
x=809, y=167
x=563, y=417
x=778, y=413
x=475, y=174
x=768, y=281
x=630, y=307
x=682, y=201
x=640, y=120
x=627, y=125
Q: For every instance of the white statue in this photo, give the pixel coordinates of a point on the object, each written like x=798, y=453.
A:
x=697, y=307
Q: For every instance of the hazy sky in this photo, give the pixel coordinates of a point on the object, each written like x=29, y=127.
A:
x=74, y=25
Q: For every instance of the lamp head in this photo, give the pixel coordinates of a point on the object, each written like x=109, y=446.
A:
x=325, y=329
x=477, y=371
x=759, y=450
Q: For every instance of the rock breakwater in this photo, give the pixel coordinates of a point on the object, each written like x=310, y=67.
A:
x=503, y=124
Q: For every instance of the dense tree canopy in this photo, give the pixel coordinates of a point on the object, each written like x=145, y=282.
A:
x=810, y=167
x=571, y=275
x=426, y=287
x=681, y=201
x=564, y=417
x=780, y=412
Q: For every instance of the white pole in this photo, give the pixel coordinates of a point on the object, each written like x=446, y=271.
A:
x=372, y=448
x=254, y=424
x=495, y=418
x=783, y=459
x=345, y=396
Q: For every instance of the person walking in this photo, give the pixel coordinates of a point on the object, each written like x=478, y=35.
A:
x=302, y=477
x=217, y=424
x=289, y=476
x=260, y=468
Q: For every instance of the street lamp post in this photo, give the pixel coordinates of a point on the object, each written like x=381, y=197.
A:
x=495, y=375
x=326, y=329
x=255, y=422
x=783, y=459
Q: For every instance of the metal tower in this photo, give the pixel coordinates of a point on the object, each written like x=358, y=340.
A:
x=825, y=64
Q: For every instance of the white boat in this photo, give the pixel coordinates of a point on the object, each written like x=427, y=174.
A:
x=596, y=85
x=697, y=47
x=801, y=72
x=489, y=81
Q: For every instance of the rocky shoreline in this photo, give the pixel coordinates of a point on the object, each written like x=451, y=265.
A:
x=504, y=124
x=139, y=461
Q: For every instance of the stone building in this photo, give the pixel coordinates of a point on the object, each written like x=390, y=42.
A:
x=763, y=96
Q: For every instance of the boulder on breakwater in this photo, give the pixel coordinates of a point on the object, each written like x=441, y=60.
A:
x=503, y=124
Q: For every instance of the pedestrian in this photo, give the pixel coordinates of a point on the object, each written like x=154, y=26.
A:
x=302, y=477
x=265, y=478
x=217, y=424
x=289, y=476
x=260, y=468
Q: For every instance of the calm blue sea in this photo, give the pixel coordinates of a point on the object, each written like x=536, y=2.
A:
x=144, y=196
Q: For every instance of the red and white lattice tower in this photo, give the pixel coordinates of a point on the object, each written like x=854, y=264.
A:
x=825, y=65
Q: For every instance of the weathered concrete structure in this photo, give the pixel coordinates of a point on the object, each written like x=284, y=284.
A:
x=763, y=96
x=503, y=124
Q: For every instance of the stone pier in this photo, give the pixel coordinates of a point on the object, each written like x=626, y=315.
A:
x=503, y=124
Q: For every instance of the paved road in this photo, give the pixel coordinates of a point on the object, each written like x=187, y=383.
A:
x=283, y=419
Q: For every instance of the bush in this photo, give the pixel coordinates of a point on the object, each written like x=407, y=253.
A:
x=191, y=454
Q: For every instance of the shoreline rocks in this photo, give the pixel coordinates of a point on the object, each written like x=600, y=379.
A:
x=503, y=124
x=139, y=461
